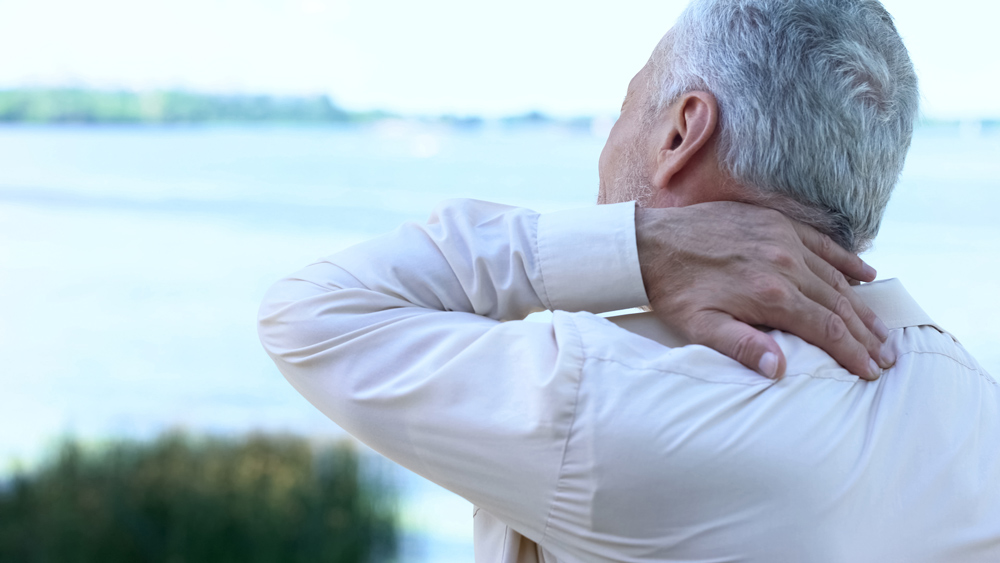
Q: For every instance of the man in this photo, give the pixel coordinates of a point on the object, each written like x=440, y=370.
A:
x=588, y=439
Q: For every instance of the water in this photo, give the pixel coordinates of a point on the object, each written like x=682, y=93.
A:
x=132, y=262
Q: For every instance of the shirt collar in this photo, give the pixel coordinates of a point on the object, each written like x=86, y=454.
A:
x=894, y=305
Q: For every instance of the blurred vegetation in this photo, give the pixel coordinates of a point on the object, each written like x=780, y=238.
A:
x=65, y=105
x=185, y=500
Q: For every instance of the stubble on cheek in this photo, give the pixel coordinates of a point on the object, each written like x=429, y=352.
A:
x=630, y=183
x=602, y=197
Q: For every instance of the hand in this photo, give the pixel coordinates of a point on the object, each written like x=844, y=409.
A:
x=713, y=270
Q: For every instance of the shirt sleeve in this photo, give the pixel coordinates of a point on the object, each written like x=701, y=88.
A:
x=402, y=342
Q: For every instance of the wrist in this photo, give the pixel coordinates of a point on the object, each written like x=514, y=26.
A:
x=654, y=247
x=588, y=259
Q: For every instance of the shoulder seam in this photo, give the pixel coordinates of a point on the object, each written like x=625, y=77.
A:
x=954, y=359
x=766, y=382
x=674, y=372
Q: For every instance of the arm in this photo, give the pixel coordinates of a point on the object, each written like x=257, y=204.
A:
x=399, y=341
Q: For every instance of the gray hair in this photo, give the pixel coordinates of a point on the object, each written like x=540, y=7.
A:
x=817, y=101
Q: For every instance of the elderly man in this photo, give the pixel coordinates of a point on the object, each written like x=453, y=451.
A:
x=593, y=439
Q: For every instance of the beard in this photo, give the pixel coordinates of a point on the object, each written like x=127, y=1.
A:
x=630, y=183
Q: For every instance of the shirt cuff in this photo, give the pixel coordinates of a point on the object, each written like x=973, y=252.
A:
x=589, y=260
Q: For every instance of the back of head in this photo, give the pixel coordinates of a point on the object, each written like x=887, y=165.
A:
x=817, y=100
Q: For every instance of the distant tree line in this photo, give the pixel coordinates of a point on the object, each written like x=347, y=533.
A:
x=65, y=105
x=179, y=499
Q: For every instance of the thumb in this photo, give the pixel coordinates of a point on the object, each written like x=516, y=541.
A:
x=743, y=343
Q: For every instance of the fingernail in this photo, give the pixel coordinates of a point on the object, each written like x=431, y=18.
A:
x=888, y=356
x=869, y=271
x=873, y=368
x=768, y=365
x=880, y=330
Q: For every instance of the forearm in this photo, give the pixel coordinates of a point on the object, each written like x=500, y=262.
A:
x=494, y=262
x=399, y=340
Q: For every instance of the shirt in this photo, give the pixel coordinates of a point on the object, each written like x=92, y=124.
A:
x=582, y=440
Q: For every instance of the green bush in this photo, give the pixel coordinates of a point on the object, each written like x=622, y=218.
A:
x=185, y=500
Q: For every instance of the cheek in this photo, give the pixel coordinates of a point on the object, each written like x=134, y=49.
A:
x=610, y=153
x=603, y=167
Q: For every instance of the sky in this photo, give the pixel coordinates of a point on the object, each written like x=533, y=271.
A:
x=429, y=57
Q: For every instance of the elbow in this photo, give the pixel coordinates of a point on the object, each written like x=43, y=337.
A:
x=301, y=323
x=272, y=323
x=283, y=321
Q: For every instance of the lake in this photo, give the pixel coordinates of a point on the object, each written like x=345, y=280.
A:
x=132, y=261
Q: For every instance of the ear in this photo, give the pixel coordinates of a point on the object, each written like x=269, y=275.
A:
x=686, y=128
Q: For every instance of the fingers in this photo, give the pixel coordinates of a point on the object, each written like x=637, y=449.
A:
x=833, y=292
x=741, y=342
x=847, y=262
x=823, y=327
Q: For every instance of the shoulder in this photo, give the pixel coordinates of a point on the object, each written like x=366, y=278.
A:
x=678, y=449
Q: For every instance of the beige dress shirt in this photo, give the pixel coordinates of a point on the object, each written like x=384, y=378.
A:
x=586, y=439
